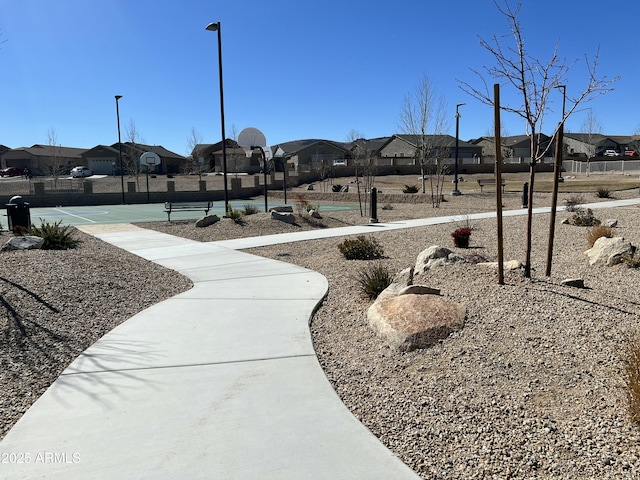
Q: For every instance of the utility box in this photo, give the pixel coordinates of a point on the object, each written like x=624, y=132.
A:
x=18, y=213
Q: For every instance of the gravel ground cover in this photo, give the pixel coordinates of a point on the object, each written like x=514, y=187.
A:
x=531, y=387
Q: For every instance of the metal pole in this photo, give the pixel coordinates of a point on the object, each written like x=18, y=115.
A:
x=554, y=197
x=264, y=170
x=216, y=27
x=456, y=192
x=496, y=112
x=118, y=97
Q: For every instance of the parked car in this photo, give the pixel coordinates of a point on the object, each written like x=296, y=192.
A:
x=81, y=172
x=611, y=153
x=11, y=172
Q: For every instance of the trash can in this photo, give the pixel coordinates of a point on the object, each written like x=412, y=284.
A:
x=18, y=213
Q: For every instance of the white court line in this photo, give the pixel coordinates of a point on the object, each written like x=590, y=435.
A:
x=77, y=216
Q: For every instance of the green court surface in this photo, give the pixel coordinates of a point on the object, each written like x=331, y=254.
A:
x=150, y=212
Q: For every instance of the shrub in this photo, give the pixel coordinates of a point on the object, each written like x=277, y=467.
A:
x=336, y=188
x=236, y=215
x=573, y=203
x=361, y=248
x=584, y=218
x=56, y=237
x=373, y=279
x=461, y=237
x=603, y=193
x=631, y=363
x=410, y=189
x=387, y=206
x=596, y=232
x=19, y=230
x=631, y=260
x=250, y=209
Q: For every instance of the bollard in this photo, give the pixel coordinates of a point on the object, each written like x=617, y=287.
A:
x=373, y=206
x=525, y=195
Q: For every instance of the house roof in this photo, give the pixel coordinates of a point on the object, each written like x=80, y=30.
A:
x=158, y=149
x=290, y=148
x=38, y=150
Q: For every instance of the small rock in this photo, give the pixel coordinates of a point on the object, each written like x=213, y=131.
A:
x=27, y=242
x=508, y=265
x=419, y=290
x=610, y=222
x=207, y=221
x=283, y=217
x=573, y=282
x=314, y=214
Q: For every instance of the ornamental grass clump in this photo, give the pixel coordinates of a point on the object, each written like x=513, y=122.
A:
x=597, y=232
x=410, y=189
x=373, y=279
x=361, y=248
x=56, y=237
x=250, y=209
x=603, y=193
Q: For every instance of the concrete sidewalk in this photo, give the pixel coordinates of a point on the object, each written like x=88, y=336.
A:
x=220, y=382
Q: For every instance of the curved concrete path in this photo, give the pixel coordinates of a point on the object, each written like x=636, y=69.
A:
x=220, y=382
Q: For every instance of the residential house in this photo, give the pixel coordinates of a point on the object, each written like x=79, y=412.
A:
x=594, y=145
x=105, y=157
x=401, y=149
x=210, y=157
x=44, y=159
x=313, y=155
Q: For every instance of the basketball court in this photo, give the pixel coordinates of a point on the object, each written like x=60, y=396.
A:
x=150, y=212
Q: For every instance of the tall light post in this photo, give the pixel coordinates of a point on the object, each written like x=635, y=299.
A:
x=456, y=192
x=118, y=97
x=215, y=27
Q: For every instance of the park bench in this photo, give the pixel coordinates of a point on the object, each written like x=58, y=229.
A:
x=488, y=181
x=186, y=207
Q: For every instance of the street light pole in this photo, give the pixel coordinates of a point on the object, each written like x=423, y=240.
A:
x=215, y=27
x=456, y=192
x=118, y=97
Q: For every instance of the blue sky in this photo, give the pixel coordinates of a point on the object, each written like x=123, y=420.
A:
x=293, y=70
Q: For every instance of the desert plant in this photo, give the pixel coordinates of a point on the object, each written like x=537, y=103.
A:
x=631, y=363
x=461, y=237
x=361, y=248
x=250, y=209
x=56, y=237
x=236, y=215
x=410, y=189
x=603, y=192
x=387, y=206
x=573, y=203
x=596, y=232
x=631, y=260
x=584, y=218
x=373, y=279
x=336, y=188
x=19, y=230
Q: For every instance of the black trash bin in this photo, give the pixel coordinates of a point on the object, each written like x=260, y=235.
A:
x=18, y=213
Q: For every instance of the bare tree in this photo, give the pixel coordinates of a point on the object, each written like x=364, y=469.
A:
x=194, y=162
x=592, y=129
x=357, y=138
x=534, y=81
x=423, y=115
x=131, y=160
x=56, y=166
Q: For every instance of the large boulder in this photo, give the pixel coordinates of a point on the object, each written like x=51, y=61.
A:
x=282, y=208
x=435, y=256
x=608, y=251
x=412, y=321
x=207, y=221
x=27, y=242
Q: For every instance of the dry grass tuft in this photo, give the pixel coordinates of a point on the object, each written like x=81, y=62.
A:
x=596, y=232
